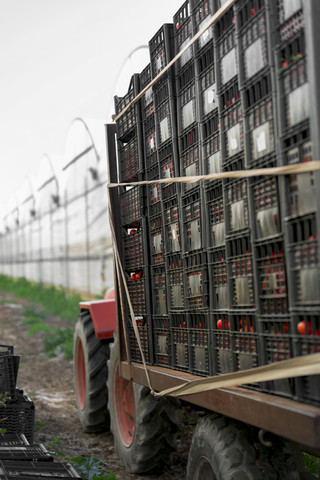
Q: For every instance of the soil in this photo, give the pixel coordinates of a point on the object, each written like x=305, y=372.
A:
x=49, y=383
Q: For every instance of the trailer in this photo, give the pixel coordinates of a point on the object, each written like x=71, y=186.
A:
x=214, y=209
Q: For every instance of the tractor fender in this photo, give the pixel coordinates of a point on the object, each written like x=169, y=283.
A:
x=103, y=314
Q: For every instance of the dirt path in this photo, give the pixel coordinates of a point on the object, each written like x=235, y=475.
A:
x=49, y=382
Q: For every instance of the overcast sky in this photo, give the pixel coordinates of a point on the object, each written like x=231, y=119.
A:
x=60, y=59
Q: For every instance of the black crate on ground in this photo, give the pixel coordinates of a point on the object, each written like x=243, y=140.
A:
x=159, y=293
x=133, y=241
x=276, y=344
x=150, y=143
x=201, y=362
x=307, y=341
x=259, y=118
x=25, y=452
x=128, y=121
x=215, y=216
x=292, y=84
x=304, y=260
x=222, y=340
x=196, y=281
x=202, y=11
x=8, y=375
x=266, y=210
x=240, y=272
x=225, y=50
x=137, y=287
x=236, y=198
x=131, y=158
x=272, y=279
x=180, y=341
x=231, y=124
x=19, y=416
x=192, y=221
x=161, y=49
x=172, y=225
x=254, y=39
x=190, y=165
x=36, y=470
x=147, y=104
x=143, y=330
x=156, y=238
x=175, y=280
x=218, y=279
x=291, y=18
x=13, y=439
x=162, y=340
x=132, y=204
x=182, y=35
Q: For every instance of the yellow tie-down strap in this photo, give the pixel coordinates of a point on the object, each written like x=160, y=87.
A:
x=295, y=367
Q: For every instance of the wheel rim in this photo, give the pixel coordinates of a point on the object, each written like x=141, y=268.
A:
x=125, y=408
x=80, y=374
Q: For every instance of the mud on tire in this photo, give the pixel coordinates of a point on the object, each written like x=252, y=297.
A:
x=90, y=376
x=144, y=428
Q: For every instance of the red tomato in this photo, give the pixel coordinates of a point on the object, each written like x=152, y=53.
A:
x=132, y=232
x=219, y=324
x=133, y=276
x=138, y=275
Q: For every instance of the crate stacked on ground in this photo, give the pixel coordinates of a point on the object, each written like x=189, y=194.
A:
x=300, y=218
x=10, y=470
x=133, y=217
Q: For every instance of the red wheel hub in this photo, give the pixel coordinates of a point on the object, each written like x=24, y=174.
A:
x=80, y=373
x=125, y=408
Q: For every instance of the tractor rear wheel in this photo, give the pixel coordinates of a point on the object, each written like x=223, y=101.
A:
x=144, y=428
x=90, y=376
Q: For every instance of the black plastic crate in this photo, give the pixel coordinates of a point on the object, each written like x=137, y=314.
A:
x=292, y=84
x=156, y=239
x=187, y=107
x=131, y=159
x=255, y=51
x=196, y=281
x=291, y=18
x=128, y=121
x=215, y=216
x=304, y=263
x=192, y=222
x=246, y=341
x=272, y=279
x=8, y=375
x=143, y=330
x=208, y=99
x=232, y=127
x=224, y=358
x=132, y=205
x=166, y=122
x=182, y=35
x=180, y=341
x=202, y=11
x=161, y=49
x=201, y=362
x=13, y=439
x=137, y=285
x=133, y=241
x=19, y=416
x=211, y=154
x=169, y=168
x=172, y=227
x=162, y=340
x=218, y=279
x=307, y=341
x=236, y=200
x=265, y=194
x=188, y=139
x=226, y=55
x=36, y=470
x=25, y=452
x=147, y=104
x=190, y=164
x=259, y=120
x=150, y=142
x=175, y=280
x=159, y=292
x=241, y=277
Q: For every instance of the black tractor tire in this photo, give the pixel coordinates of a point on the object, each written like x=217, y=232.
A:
x=90, y=376
x=144, y=428
x=220, y=451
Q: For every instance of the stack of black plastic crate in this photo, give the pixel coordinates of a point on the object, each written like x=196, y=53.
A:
x=133, y=219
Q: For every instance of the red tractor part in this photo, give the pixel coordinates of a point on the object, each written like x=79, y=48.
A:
x=103, y=315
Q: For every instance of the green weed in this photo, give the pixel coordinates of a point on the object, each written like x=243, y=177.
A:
x=38, y=424
x=61, y=339
x=312, y=464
